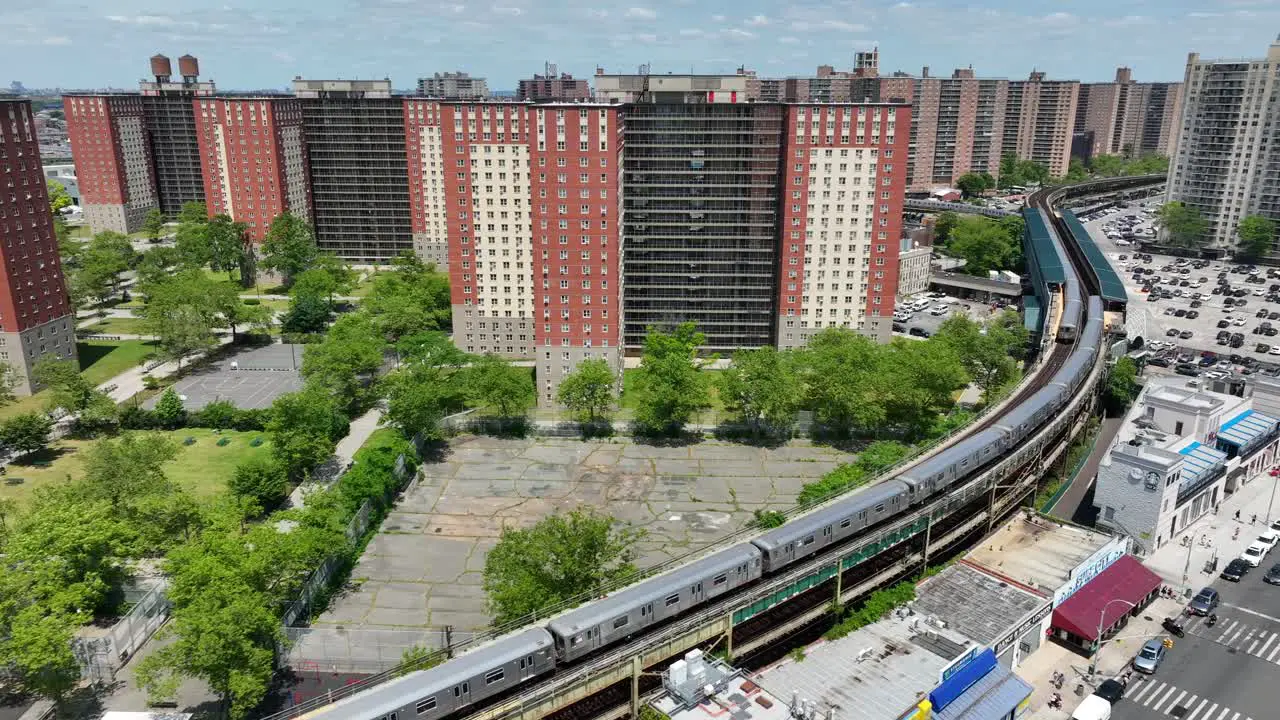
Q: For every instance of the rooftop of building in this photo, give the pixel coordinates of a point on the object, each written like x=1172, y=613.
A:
x=974, y=602
x=734, y=695
x=875, y=673
x=1036, y=551
x=1162, y=444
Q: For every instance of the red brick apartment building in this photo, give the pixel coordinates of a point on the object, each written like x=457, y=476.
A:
x=112, y=151
x=522, y=202
x=254, y=159
x=36, y=317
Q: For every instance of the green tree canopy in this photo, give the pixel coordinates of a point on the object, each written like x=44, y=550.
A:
x=289, y=247
x=990, y=352
x=984, y=244
x=588, y=391
x=1184, y=225
x=306, y=314
x=670, y=386
x=303, y=429
x=58, y=197
x=763, y=387
x=493, y=382
x=1122, y=386
x=227, y=243
x=425, y=387
x=261, y=479
x=842, y=374
x=1257, y=235
x=26, y=433
x=153, y=224
x=973, y=184
x=561, y=558
x=103, y=261
x=412, y=299
x=347, y=361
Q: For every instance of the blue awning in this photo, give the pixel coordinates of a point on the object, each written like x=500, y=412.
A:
x=1246, y=427
x=1198, y=461
x=993, y=697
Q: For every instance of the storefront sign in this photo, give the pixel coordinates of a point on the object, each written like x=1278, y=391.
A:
x=1008, y=640
x=1091, y=568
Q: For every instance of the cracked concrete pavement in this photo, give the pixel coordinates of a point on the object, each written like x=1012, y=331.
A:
x=422, y=571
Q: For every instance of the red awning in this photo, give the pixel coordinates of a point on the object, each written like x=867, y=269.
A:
x=1126, y=579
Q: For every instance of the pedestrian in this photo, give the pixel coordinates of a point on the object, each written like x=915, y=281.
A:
x=1253, y=520
x=1237, y=515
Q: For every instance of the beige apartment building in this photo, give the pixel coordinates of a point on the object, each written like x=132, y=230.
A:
x=1039, y=119
x=1128, y=118
x=1226, y=161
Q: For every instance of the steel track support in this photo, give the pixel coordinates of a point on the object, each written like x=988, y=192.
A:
x=728, y=639
x=636, y=670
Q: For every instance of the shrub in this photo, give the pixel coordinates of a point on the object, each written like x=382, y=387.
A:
x=255, y=442
x=169, y=412
x=219, y=415
x=136, y=417
x=223, y=442
x=252, y=301
x=260, y=479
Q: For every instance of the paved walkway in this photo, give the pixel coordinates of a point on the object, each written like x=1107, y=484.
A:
x=1069, y=504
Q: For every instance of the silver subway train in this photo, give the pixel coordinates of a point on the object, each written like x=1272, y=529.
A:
x=504, y=664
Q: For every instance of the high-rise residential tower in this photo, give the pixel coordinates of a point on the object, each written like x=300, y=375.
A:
x=355, y=137
x=554, y=87
x=36, y=317
x=1226, y=162
x=112, y=152
x=1039, y=121
x=453, y=85
x=255, y=160
x=169, y=110
x=1127, y=117
x=957, y=126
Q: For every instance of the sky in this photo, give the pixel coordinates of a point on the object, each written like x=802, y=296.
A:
x=258, y=44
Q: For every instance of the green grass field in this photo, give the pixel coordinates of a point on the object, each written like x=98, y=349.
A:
x=100, y=360
x=202, y=468
x=117, y=326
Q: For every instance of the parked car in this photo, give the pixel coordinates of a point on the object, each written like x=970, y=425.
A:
x=1150, y=656
x=1235, y=570
x=1273, y=575
x=1110, y=690
x=1205, y=601
x=1254, y=554
x=1268, y=538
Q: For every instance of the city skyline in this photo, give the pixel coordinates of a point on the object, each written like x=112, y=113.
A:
x=256, y=46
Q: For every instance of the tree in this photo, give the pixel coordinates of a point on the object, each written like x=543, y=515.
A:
x=169, y=411
x=153, y=225
x=262, y=479
x=181, y=331
x=40, y=649
x=106, y=257
x=973, y=184
x=562, y=558
x=226, y=241
x=1076, y=171
x=68, y=389
x=193, y=212
x=303, y=429
x=762, y=387
x=493, y=382
x=424, y=389
x=588, y=391
x=306, y=314
x=983, y=244
x=8, y=381
x=942, y=227
x=347, y=361
x=1184, y=225
x=841, y=372
x=989, y=353
x=289, y=247
x=192, y=236
x=412, y=299
x=26, y=433
x=919, y=381
x=69, y=248
x=156, y=266
x=128, y=469
x=1257, y=236
x=670, y=385
x=1122, y=386
x=58, y=197
x=1108, y=165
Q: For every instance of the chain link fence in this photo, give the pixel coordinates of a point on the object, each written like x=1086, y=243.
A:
x=361, y=650
x=102, y=656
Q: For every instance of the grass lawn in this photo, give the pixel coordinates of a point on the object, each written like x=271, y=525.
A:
x=202, y=468
x=117, y=326
x=363, y=287
x=100, y=360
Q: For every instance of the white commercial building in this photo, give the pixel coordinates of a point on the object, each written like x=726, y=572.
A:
x=1226, y=162
x=1181, y=449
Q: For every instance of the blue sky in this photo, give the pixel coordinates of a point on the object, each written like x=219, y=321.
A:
x=244, y=44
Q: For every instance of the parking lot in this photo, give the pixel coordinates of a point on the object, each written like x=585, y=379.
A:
x=1184, y=307
x=934, y=309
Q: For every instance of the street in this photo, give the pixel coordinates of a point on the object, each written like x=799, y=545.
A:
x=1230, y=671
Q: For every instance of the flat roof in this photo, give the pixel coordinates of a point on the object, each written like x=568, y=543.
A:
x=1038, y=553
x=899, y=669
x=1112, y=289
x=973, y=282
x=1039, y=247
x=975, y=603
x=741, y=699
x=1246, y=427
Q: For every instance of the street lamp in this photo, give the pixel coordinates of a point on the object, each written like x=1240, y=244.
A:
x=1274, y=482
x=1186, y=569
x=1102, y=617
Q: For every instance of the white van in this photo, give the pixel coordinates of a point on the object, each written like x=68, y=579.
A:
x=1093, y=708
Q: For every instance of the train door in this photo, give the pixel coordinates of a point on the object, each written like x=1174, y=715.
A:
x=695, y=593
x=526, y=667
x=462, y=694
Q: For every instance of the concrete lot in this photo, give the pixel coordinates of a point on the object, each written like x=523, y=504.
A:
x=1150, y=321
x=258, y=377
x=423, y=569
x=974, y=309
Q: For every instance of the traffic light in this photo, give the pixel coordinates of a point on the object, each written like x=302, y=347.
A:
x=1168, y=643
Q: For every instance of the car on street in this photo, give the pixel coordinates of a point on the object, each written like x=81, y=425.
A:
x=1110, y=690
x=1273, y=575
x=1205, y=601
x=1255, y=553
x=1269, y=538
x=1150, y=656
x=1234, y=570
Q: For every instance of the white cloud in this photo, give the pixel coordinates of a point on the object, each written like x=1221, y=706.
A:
x=1203, y=14
x=57, y=40
x=1058, y=18
x=641, y=13
x=507, y=10
x=903, y=5
x=691, y=32
x=145, y=20
x=806, y=25
x=738, y=33
x=597, y=13
x=788, y=39
x=758, y=20
x=282, y=56
x=649, y=38
x=1129, y=21
x=717, y=18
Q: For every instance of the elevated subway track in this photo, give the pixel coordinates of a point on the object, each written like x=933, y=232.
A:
x=763, y=614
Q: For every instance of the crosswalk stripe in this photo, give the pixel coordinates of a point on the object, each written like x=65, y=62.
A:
x=1194, y=623
x=1148, y=690
x=1228, y=629
x=1225, y=710
x=1273, y=652
x=1165, y=698
x=1139, y=690
x=1256, y=641
x=1262, y=650
x=1190, y=701
x=1200, y=707
x=1235, y=635
x=1235, y=717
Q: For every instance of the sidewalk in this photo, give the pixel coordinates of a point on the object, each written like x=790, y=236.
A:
x=1113, y=658
x=1250, y=499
